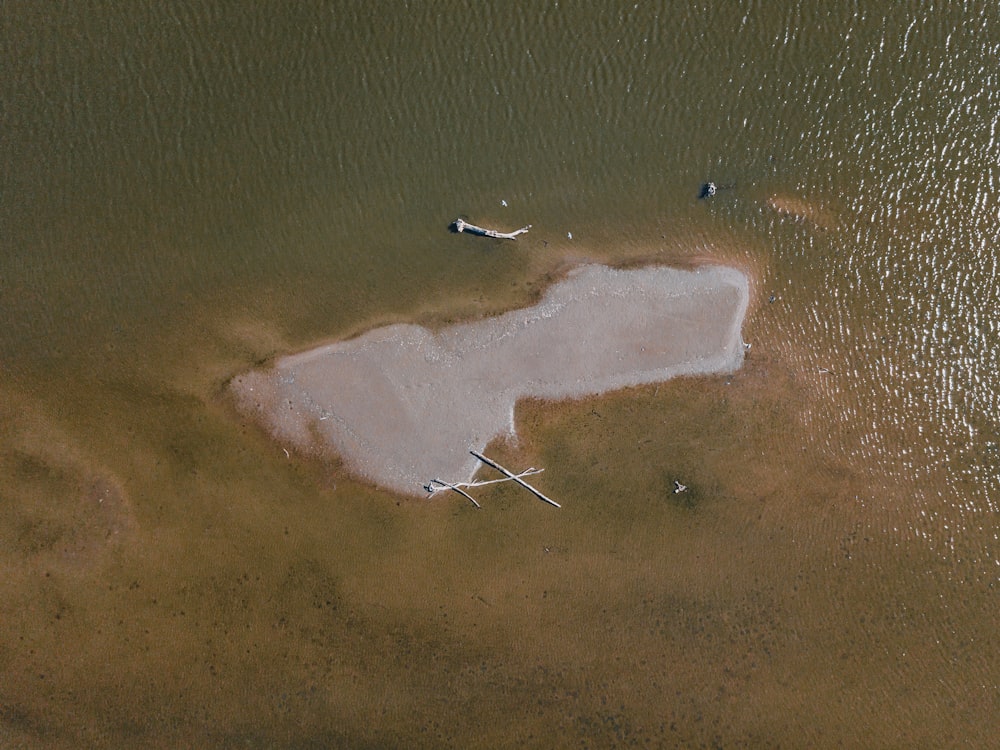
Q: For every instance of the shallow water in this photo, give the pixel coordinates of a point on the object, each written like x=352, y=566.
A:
x=188, y=191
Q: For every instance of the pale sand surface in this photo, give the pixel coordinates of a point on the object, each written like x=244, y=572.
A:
x=402, y=405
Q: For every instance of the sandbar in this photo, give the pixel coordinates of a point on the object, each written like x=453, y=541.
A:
x=402, y=405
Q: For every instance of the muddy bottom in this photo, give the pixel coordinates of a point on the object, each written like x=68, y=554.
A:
x=217, y=593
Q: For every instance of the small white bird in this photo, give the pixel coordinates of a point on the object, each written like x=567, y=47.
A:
x=503, y=203
x=569, y=234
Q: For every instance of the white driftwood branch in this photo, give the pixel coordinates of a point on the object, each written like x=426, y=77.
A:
x=461, y=225
x=454, y=487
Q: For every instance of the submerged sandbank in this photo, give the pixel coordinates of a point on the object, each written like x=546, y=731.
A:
x=402, y=405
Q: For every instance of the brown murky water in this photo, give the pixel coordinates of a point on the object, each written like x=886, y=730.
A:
x=188, y=190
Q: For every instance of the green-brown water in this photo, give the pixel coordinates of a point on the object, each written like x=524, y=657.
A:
x=190, y=188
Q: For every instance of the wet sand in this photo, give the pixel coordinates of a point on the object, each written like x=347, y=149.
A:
x=402, y=405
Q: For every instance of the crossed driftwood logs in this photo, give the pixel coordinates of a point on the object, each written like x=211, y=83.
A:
x=437, y=485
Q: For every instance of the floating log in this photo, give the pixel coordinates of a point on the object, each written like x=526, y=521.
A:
x=515, y=478
x=460, y=225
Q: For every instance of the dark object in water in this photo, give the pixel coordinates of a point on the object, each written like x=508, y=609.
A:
x=708, y=189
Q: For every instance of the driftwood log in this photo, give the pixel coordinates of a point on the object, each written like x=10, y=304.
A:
x=460, y=225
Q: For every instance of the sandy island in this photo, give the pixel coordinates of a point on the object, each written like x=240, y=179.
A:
x=402, y=405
